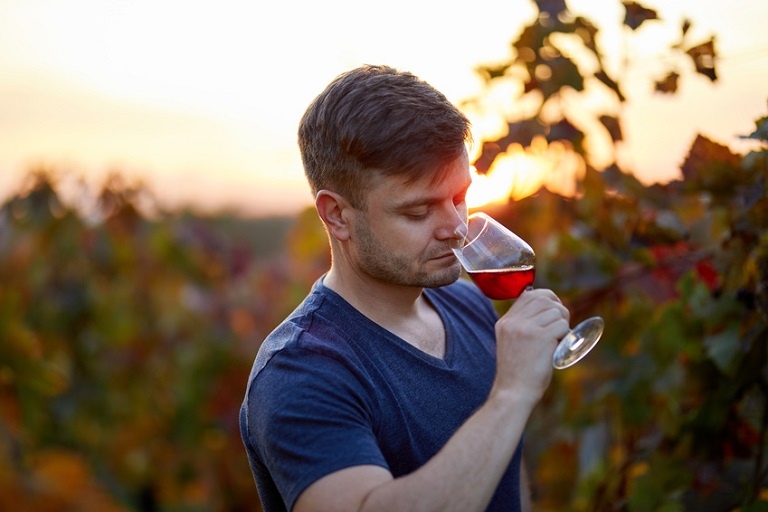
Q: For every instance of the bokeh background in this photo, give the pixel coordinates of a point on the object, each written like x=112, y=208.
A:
x=155, y=226
x=201, y=100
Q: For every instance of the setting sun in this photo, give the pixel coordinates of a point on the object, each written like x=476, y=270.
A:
x=520, y=172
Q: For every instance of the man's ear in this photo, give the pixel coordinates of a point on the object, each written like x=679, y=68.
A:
x=334, y=211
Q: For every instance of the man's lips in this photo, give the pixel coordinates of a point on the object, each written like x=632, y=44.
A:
x=445, y=256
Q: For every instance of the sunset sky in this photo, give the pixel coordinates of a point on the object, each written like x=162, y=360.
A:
x=201, y=100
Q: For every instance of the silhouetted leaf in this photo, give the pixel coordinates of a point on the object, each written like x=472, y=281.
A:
x=686, y=26
x=565, y=130
x=604, y=78
x=491, y=72
x=635, y=14
x=613, y=126
x=703, y=56
x=488, y=154
x=552, y=7
x=521, y=132
x=558, y=72
x=531, y=38
x=583, y=28
x=668, y=85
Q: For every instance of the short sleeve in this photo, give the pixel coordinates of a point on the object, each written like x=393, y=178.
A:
x=309, y=415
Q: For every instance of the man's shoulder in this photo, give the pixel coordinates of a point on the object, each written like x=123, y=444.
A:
x=317, y=325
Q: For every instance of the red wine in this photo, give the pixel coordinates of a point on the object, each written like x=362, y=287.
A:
x=503, y=283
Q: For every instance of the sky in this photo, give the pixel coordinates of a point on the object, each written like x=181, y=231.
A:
x=200, y=101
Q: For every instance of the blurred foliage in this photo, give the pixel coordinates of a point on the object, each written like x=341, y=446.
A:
x=126, y=344
x=670, y=411
x=126, y=338
x=561, y=68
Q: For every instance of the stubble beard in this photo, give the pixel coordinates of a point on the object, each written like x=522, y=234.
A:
x=385, y=265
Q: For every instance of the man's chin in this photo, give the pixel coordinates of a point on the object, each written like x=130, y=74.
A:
x=444, y=277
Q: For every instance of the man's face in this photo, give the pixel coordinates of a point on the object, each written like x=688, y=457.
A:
x=405, y=234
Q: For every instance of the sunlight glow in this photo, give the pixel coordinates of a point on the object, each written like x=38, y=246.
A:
x=520, y=172
x=202, y=101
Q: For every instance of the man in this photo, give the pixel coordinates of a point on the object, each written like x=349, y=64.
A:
x=393, y=386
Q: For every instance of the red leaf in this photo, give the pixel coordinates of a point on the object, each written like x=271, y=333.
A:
x=707, y=273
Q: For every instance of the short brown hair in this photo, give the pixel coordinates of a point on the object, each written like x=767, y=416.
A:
x=377, y=120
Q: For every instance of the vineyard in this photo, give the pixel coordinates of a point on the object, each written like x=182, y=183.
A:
x=127, y=333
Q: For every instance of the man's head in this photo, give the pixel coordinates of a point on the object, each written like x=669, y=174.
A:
x=376, y=121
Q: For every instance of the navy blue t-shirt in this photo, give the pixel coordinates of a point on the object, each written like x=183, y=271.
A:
x=331, y=389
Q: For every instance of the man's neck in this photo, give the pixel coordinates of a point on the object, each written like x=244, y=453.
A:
x=372, y=297
x=402, y=310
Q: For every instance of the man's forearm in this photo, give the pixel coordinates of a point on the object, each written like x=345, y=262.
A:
x=466, y=472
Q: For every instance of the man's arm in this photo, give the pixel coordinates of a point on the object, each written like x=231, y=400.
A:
x=466, y=471
x=462, y=476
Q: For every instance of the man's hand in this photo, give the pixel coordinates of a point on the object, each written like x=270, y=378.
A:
x=526, y=338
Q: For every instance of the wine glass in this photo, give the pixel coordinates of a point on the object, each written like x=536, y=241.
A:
x=503, y=265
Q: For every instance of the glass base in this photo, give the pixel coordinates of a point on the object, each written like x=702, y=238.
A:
x=578, y=342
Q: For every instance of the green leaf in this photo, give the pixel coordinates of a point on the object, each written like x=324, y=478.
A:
x=723, y=348
x=654, y=489
x=666, y=337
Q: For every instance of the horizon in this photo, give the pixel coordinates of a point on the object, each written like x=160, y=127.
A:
x=210, y=122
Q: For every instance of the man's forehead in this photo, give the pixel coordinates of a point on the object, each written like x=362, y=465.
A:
x=429, y=188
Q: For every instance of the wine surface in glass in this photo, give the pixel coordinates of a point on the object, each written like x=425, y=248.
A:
x=503, y=283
